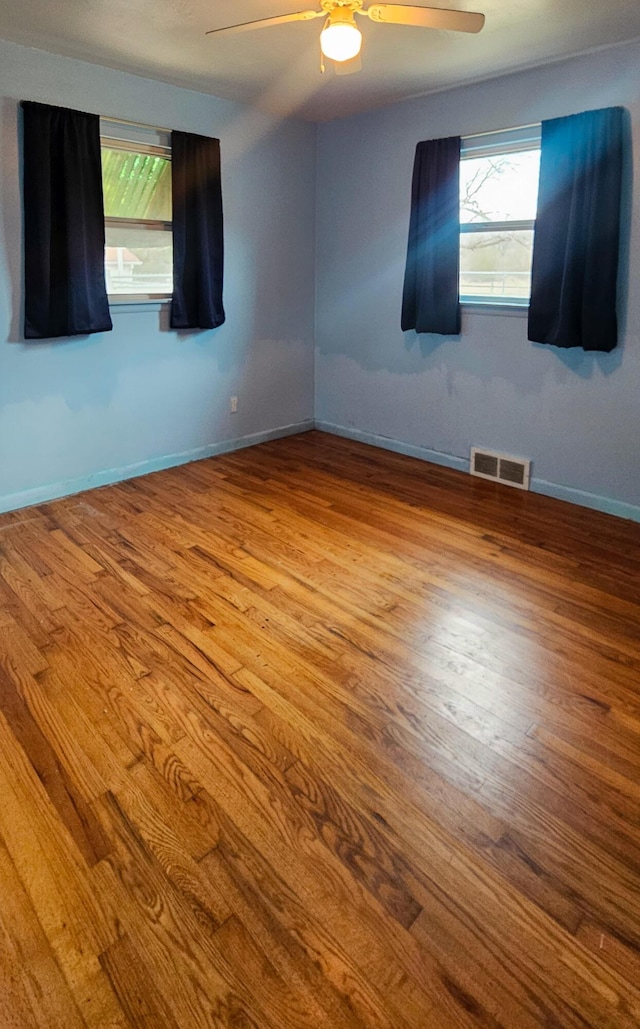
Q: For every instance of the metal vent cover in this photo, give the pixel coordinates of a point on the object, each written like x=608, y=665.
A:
x=489, y=464
x=512, y=471
x=485, y=464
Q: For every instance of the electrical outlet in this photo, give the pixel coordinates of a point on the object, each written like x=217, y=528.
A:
x=234, y=405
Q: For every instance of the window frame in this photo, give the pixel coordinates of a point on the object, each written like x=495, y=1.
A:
x=498, y=144
x=149, y=141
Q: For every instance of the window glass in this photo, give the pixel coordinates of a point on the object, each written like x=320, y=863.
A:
x=498, y=199
x=496, y=264
x=138, y=262
x=500, y=187
x=136, y=180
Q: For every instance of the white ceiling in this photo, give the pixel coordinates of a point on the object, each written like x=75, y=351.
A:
x=278, y=68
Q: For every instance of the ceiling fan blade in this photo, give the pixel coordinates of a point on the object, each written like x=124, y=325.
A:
x=264, y=23
x=348, y=67
x=426, y=17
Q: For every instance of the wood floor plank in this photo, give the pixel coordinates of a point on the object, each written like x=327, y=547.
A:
x=130, y=978
x=171, y=838
x=68, y=800
x=268, y=913
x=15, y=1008
x=324, y=958
x=77, y=923
x=178, y=932
x=316, y=736
x=34, y=987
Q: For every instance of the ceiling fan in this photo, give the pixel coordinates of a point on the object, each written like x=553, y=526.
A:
x=341, y=39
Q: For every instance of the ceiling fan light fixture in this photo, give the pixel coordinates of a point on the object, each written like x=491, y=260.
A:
x=341, y=39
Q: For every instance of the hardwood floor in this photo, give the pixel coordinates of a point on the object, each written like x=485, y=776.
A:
x=314, y=736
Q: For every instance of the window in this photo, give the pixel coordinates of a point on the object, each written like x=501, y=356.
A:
x=498, y=198
x=136, y=179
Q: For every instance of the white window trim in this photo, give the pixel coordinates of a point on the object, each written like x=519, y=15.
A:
x=147, y=140
x=490, y=144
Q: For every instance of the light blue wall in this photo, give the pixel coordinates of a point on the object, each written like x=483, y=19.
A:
x=79, y=412
x=577, y=416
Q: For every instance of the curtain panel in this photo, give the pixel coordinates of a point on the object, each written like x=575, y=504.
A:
x=198, y=242
x=430, y=301
x=577, y=231
x=65, y=291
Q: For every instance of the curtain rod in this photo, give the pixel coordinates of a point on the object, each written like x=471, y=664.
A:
x=135, y=124
x=468, y=135
x=494, y=132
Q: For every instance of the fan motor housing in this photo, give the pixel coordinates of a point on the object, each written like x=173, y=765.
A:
x=335, y=6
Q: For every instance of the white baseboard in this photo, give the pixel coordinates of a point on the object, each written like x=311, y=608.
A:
x=386, y=443
x=607, y=505
x=55, y=490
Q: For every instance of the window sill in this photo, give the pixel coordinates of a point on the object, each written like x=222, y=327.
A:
x=479, y=307
x=139, y=304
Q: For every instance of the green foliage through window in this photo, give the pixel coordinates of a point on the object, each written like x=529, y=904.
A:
x=136, y=185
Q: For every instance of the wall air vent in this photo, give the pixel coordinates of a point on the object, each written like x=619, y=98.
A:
x=513, y=471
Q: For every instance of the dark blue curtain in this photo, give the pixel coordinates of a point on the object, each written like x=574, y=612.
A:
x=198, y=243
x=576, y=239
x=65, y=292
x=430, y=301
